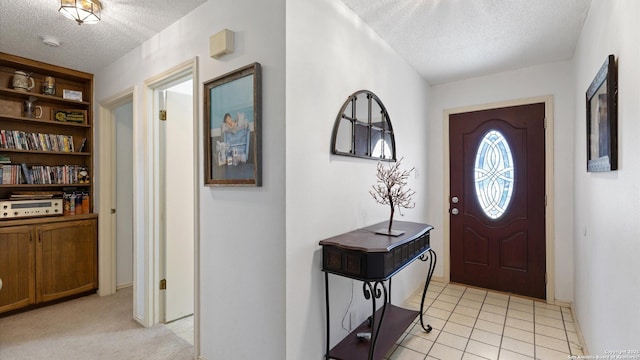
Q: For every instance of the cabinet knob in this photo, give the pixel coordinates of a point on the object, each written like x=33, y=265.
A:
x=113, y=211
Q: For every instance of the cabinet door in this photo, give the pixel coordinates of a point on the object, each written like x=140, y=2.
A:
x=17, y=257
x=66, y=259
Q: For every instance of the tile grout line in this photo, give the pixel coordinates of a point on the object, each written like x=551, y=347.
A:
x=534, y=330
x=474, y=324
x=504, y=325
x=445, y=322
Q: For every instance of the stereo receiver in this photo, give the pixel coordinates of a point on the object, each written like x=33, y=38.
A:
x=11, y=209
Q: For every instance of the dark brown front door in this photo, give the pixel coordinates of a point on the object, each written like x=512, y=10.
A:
x=497, y=200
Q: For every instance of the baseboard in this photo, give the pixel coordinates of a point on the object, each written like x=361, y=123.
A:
x=563, y=303
x=124, y=286
x=418, y=291
x=585, y=349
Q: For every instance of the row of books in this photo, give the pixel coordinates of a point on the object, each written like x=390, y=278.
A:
x=43, y=174
x=21, y=140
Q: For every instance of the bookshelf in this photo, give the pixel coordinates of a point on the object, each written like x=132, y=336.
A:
x=46, y=153
x=49, y=152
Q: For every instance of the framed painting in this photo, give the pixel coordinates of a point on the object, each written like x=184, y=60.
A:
x=602, y=119
x=232, y=123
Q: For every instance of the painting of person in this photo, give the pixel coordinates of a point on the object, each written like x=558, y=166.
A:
x=228, y=123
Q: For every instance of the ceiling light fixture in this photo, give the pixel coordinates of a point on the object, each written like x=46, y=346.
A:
x=82, y=11
x=51, y=41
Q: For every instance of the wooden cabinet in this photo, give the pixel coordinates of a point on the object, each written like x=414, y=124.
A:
x=45, y=148
x=66, y=259
x=41, y=262
x=17, y=267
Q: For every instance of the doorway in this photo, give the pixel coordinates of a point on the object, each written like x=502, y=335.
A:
x=170, y=183
x=123, y=131
x=147, y=230
x=177, y=173
x=497, y=199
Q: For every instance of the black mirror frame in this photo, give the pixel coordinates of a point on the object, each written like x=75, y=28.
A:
x=387, y=128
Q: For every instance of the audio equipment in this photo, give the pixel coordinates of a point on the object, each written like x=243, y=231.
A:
x=11, y=209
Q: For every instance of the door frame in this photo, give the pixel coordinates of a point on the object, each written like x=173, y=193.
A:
x=152, y=192
x=549, y=189
x=107, y=190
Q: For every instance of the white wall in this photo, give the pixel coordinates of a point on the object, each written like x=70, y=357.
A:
x=124, y=194
x=242, y=230
x=607, y=221
x=331, y=53
x=551, y=79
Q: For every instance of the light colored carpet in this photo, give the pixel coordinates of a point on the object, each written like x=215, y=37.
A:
x=91, y=327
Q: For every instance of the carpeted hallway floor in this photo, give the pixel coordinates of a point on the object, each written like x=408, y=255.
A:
x=91, y=327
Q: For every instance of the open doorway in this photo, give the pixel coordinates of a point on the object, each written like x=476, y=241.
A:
x=171, y=220
x=123, y=148
x=176, y=195
x=150, y=204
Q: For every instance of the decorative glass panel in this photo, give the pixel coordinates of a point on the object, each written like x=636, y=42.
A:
x=494, y=174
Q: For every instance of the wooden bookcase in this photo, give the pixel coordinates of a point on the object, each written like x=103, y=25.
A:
x=52, y=257
x=11, y=118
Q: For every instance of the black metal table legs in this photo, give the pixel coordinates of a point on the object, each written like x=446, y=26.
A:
x=432, y=266
x=377, y=291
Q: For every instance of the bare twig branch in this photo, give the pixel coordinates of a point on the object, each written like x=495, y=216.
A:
x=390, y=188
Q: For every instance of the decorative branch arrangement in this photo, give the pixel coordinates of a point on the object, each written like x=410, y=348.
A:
x=390, y=189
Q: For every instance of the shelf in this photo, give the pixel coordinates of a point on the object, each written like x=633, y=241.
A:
x=54, y=99
x=29, y=186
x=40, y=121
x=48, y=219
x=396, y=321
x=43, y=152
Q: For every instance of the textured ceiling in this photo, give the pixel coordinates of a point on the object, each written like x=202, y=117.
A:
x=444, y=40
x=448, y=40
x=125, y=25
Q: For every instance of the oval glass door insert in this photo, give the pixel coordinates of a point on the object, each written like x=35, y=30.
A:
x=494, y=174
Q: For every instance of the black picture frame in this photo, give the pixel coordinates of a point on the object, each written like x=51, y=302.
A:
x=232, y=128
x=602, y=119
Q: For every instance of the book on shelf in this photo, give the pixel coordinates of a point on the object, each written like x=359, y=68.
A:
x=83, y=145
x=20, y=140
x=28, y=175
x=11, y=174
x=35, y=195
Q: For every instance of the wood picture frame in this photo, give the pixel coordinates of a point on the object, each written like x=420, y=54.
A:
x=232, y=128
x=602, y=119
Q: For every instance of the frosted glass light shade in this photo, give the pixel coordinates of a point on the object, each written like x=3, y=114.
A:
x=82, y=11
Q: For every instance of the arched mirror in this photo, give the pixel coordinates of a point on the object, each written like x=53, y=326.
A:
x=363, y=129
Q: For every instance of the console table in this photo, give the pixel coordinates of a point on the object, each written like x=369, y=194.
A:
x=374, y=259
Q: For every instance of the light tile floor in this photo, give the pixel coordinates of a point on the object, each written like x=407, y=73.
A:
x=476, y=324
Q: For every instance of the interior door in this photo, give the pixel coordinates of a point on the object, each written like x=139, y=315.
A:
x=497, y=199
x=179, y=189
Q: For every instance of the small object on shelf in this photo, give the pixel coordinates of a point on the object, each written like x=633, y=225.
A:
x=77, y=116
x=85, y=203
x=72, y=95
x=49, y=85
x=22, y=81
x=30, y=110
x=83, y=176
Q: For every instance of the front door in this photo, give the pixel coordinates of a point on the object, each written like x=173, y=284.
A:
x=497, y=199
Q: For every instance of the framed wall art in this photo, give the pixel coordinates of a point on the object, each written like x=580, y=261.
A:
x=232, y=123
x=602, y=119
